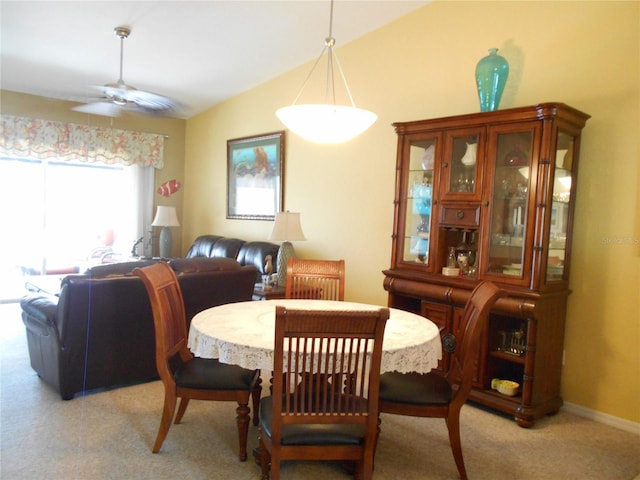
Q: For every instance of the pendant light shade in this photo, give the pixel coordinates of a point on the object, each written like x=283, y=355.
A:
x=324, y=123
x=327, y=122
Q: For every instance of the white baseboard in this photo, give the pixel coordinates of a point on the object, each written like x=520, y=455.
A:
x=617, y=422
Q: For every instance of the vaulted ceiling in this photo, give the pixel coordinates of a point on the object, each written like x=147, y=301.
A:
x=196, y=52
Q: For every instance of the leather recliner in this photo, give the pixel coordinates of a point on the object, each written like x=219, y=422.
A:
x=98, y=331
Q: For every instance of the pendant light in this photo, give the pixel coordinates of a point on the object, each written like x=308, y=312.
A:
x=327, y=122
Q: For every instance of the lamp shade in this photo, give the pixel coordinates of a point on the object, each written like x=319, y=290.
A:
x=287, y=227
x=326, y=123
x=165, y=217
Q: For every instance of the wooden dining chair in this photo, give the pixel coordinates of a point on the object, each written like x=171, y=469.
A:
x=325, y=389
x=315, y=279
x=442, y=396
x=185, y=376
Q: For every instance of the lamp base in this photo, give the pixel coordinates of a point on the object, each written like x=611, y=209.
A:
x=165, y=242
x=284, y=253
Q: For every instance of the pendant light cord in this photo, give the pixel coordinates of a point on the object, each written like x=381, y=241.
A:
x=121, y=81
x=329, y=43
x=331, y=20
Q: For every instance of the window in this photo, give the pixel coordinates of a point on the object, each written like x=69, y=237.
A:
x=56, y=212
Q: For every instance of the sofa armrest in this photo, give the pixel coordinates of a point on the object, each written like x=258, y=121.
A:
x=39, y=313
x=255, y=254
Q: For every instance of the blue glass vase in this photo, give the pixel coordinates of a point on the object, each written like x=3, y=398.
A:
x=491, y=76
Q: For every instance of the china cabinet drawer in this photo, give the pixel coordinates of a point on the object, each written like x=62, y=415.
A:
x=456, y=216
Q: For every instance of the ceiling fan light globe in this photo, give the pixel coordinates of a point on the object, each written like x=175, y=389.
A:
x=325, y=123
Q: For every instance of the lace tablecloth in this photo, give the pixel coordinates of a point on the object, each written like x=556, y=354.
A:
x=243, y=334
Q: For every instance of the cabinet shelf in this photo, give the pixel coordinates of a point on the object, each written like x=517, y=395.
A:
x=509, y=357
x=514, y=398
x=509, y=219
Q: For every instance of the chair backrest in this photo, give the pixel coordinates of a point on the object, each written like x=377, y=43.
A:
x=167, y=305
x=327, y=367
x=474, y=318
x=315, y=279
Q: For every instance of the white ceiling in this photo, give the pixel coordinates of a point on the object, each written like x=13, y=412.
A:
x=196, y=52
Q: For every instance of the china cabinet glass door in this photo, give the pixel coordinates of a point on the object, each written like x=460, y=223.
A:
x=509, y=205
x=419, y=192
x=460, y=169
x=560, y=199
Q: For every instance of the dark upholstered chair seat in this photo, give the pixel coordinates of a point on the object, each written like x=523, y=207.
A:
x=415, y=388
x=310, y=434
x=210, y=374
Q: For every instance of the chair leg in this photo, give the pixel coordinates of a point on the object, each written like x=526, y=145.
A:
x=365, y=466
x=274, y=468
x=375, y=445
x=242, y=418
x=165, y=421
x=453, y=425
x=265, y=459
x=255, y=398
x=184, y=402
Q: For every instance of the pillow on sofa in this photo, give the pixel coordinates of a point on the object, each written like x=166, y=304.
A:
x=227, y=247
x=203, y=246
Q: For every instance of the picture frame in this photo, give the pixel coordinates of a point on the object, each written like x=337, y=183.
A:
x=255, y=174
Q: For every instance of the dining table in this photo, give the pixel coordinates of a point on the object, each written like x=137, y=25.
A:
x=243, y=334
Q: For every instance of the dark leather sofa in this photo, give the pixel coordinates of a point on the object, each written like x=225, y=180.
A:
x=98, y=331
x=246, y=253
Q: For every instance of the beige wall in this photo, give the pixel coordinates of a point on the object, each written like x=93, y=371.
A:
x=12, y=103
x=585, y=54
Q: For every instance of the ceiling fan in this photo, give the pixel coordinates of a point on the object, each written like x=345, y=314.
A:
x=119, y=97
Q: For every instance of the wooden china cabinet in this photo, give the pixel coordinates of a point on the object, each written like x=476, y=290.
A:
x=492, y=195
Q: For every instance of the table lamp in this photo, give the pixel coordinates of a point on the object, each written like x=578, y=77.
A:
x=286, y=228
x=165, y=217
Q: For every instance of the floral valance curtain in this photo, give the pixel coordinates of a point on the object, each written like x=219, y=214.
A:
x=39, y=139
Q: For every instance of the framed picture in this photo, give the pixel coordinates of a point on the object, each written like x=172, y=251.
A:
x=255, y=167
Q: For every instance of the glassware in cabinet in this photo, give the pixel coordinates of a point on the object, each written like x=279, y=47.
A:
x=511, y=169
x=507, y=348
x=419, y=201
x=461, y=171
x=560, y=201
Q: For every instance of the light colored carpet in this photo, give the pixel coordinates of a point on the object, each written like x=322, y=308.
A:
x=108, y=435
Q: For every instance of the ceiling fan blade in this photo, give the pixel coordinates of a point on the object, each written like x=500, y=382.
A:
x=106, y=109
x=149, y=103
x=119, y=96
x=152, y=101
